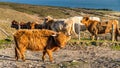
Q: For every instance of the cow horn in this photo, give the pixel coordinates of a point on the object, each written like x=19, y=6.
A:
x=54, y=35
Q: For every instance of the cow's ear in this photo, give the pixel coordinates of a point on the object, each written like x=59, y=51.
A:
x=13, y=22
x=86, y=18
x=54, y=35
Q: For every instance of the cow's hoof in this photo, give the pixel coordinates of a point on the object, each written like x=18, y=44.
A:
x=52, y=62
x=24, y=60
x=16, y=59
x=43, y=61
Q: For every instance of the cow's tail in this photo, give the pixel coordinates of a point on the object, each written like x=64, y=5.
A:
x=117, y=28
x=17, y=52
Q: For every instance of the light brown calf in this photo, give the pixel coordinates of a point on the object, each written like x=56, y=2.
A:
x=96, y=27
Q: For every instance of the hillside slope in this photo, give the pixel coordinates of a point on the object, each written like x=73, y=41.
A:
x=7, y=15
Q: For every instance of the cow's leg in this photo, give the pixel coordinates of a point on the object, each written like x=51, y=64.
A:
x=49, y=52
x=93, y=37
x=116, y=34
x=116, y=37
x=22, y=50
x=73, y=31
x=96, y=33
x=17, y=53
x=43, y=57
x=111, y=36
x=96, y=37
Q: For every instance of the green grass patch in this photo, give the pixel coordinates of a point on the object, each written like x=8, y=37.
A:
x=5, y=44
x=89, y=40
x=5, y=41
x=116, y=47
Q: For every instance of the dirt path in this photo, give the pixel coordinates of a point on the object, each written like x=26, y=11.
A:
x=69, y=57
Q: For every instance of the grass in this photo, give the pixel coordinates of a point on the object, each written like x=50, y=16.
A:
x=116, y=47
x=89, y=40
x=6, y=41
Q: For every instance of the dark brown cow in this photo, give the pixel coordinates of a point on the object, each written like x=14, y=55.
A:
x=96, y=27
x=20, y=25
x=38, y=40
x=28, y=25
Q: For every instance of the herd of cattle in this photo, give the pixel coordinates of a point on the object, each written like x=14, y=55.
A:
x=53, y=34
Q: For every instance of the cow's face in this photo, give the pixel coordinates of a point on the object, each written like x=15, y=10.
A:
x=62, y=39
x=48, y=19
x=85, y=20
x=14, y=24
x=47, y=22
x=67, y=28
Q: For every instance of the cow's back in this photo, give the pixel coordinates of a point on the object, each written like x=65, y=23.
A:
x=33, y=39
x=77, y=19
